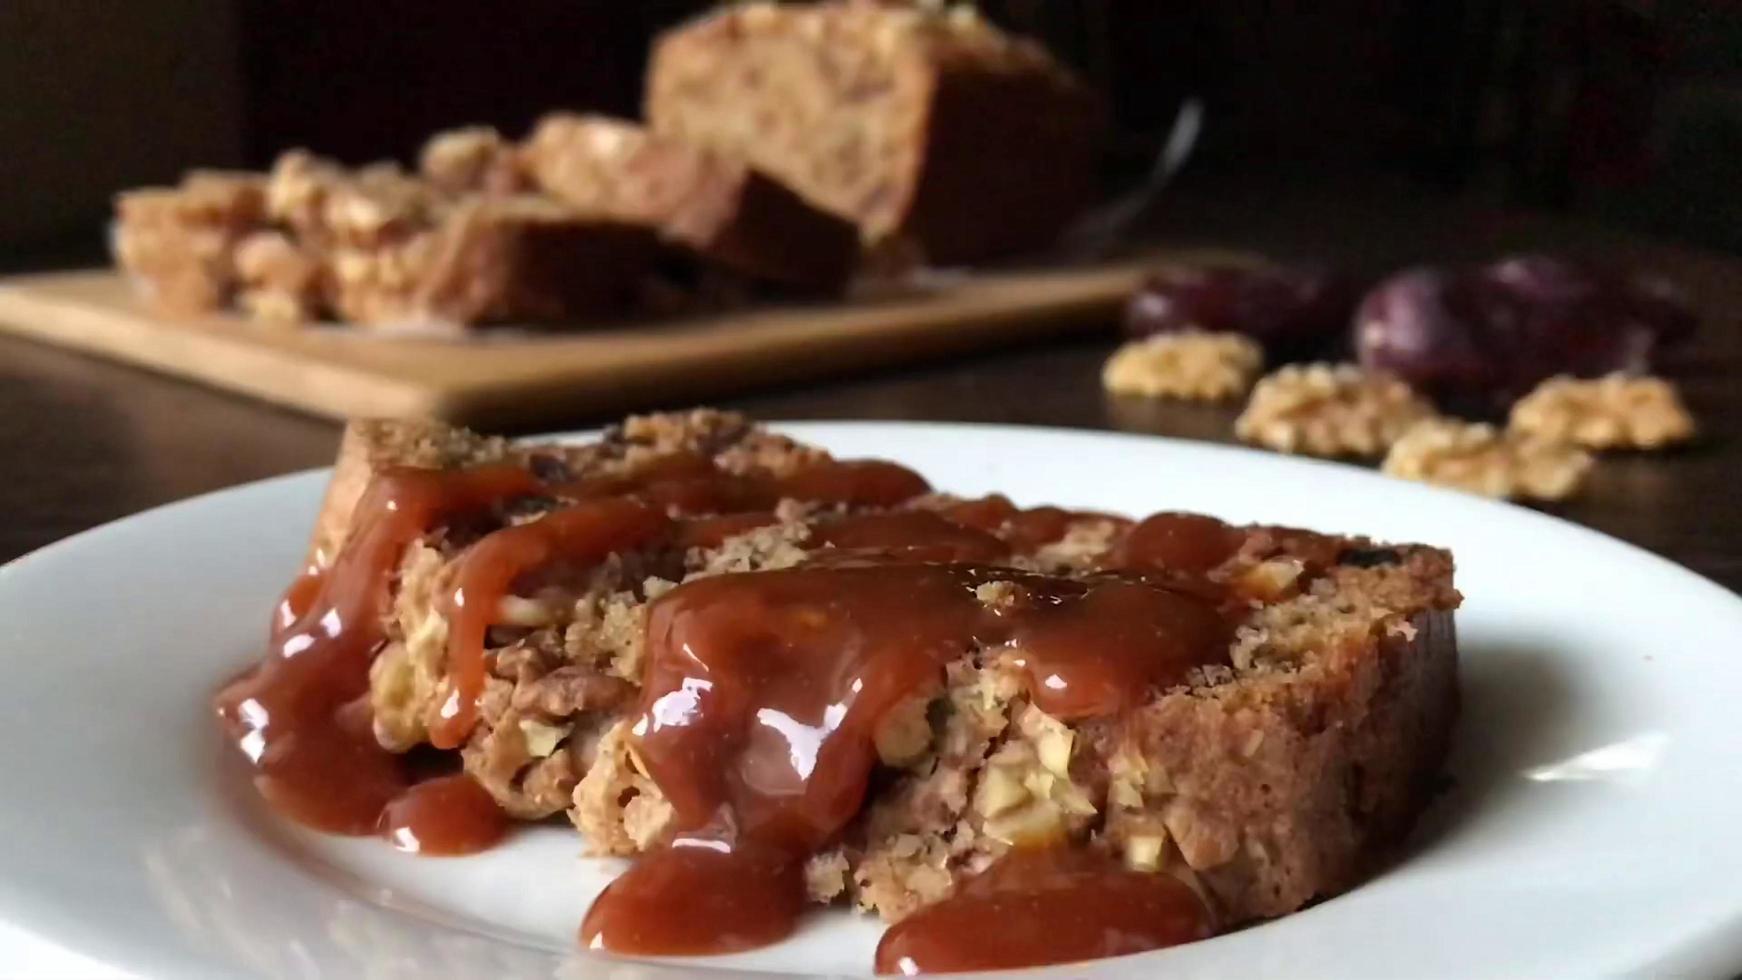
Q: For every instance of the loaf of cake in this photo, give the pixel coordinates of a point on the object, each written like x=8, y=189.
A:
x=930, y=126
x=715, y=204
x=1279, y=770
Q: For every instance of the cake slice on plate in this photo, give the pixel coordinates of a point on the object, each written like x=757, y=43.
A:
x=775, y=675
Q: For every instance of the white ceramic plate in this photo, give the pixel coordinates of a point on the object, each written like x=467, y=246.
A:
x=1592, y=829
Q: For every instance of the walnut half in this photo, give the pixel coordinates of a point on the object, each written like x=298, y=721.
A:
x=1195, y=366
x=1478, y=458
x=1329, y=410
x=1614, y=412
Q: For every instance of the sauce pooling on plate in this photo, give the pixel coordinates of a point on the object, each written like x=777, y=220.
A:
x=1035, y=907
x=301, y=717
x=763, y=693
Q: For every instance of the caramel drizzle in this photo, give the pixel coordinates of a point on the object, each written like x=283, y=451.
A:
x=890, y=600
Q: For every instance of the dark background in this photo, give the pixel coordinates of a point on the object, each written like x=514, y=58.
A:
x=1627, y=113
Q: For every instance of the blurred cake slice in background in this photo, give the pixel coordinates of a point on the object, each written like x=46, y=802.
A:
x=927, y=125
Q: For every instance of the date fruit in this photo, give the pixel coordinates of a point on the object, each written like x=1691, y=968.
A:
x=1479, y=338
x=1290, y=311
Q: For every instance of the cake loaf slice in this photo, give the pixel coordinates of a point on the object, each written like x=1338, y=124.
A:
x=715, y=204
x=400, y=249
x=922, y=125
x=1278, y=771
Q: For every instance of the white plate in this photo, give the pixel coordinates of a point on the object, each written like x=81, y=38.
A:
x=1592, y=829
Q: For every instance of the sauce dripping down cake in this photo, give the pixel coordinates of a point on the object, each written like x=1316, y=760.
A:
x=778, y=679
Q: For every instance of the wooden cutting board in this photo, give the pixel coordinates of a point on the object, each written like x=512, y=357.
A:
x=521, y=378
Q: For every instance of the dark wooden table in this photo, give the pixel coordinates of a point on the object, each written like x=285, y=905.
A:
x=83, y=442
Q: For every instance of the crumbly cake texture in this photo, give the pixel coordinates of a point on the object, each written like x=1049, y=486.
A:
x=401, y=250
x=375, y=246
x=915, y=123
x=1478, y=458
x=712, y=203
x=1618, y=411
x=1330, y=410
x=177, y=243
x=1264, y=785
x=1191, y=366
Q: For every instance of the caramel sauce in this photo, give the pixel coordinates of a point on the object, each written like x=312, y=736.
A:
x=1181, y=543
x=855, y=483
x=696, y=897
x=1024, y=530
x=301, y=716
x=1032, y=908
x=917, y=535
x=584, y=534
x=444, y=815
x=762, y=694
x=685, y=483
x=1108, y=647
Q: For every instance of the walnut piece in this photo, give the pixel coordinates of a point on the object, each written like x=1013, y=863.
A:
x=473, y=159
x=1329, y=410
x=280, y=281
x=1614, y=412
x=1196, y=366
x=1478, y=458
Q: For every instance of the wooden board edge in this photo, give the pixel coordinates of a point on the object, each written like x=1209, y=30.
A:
x=234, y=364
x=522, y=402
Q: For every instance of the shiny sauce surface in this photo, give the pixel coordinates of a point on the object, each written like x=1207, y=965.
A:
x=444, y=815
x=1033, y=908
x=764, y=691
x=301, y=716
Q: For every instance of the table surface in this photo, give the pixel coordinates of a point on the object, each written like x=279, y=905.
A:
x=84, y=442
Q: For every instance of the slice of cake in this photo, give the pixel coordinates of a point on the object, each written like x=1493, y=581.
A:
x=772, y=676
x=715, y=204
x=930, y=126
x=400, y=249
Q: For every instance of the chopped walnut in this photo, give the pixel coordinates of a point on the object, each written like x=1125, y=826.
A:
x=1197, y=366
x=280, y=281
x=1479, y=458
x=475, y=158
x=1025, y=796
x=325, y=204
x=1613, y=412
x=1329, y=410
